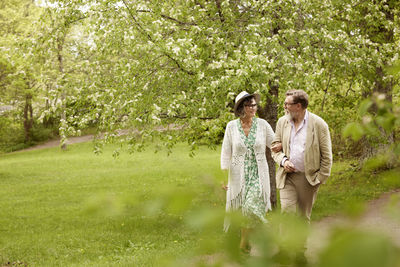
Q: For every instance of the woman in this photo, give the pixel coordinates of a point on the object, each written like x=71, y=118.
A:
x=243, y=154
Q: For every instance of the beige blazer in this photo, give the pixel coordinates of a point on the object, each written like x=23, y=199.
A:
x=318, y=151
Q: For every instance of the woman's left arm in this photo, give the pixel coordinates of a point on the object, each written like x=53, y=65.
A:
x=269, y=136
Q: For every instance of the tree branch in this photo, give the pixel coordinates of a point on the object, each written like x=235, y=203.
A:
x=325, y=92
x=140, y=28
x=350, y=89
x=353, y=6
x=179, y=66
x=177, y=21
x=169, y=18
x=221, y=16
x=199, y=4
x=165, y=116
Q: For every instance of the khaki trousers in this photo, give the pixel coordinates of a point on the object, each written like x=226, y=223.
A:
x=298, y=195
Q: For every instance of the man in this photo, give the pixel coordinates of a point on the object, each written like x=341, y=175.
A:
x=306, y=157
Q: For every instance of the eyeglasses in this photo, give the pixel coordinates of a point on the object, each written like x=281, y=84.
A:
x=251, y=105
x=288, y=104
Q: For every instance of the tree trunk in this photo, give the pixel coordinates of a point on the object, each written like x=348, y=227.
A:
x=28, y=117
x=270, y=113
x=370, y=146
x=61, y=69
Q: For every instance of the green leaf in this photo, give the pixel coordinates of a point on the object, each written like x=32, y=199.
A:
x=354, y=208
x=353, y=129
x=364, y=106
x=355, y=248
x=387, y=121
x=394, y=70
x=396, y=149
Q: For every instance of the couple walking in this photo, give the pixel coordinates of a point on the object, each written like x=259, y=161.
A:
x=301, y=146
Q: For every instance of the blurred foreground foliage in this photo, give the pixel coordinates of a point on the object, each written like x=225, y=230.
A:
x=281, y=242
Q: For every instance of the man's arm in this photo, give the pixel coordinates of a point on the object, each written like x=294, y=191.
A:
x=325, y=147
x=278, y=156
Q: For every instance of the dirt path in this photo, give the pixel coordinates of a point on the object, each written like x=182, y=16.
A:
x=376, y=218
x=55, y=143
x=86, y=138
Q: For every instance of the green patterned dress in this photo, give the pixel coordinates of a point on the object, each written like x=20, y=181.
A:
x=253, y=205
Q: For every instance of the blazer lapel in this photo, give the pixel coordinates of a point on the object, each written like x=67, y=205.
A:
x=286, y=137
x=310, y=131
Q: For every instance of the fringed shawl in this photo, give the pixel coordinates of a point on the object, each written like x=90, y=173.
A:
x=232, y=158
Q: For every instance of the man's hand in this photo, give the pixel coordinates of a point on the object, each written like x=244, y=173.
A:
x=288, y=166
x=277, y=147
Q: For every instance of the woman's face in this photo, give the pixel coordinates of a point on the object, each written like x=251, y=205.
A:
x=250, y=108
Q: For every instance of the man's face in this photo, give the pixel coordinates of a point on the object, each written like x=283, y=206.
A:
x=285, y=107
x=290, y=107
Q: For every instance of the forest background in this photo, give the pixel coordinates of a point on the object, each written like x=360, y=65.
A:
x=164, y=72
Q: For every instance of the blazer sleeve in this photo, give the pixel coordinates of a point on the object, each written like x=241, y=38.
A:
x=269, y=135
x=325, y=146
x=226, y=151
x=278, y=156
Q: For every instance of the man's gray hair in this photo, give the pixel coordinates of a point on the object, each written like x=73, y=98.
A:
x=299, y=96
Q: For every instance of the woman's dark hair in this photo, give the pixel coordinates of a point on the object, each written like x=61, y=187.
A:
x=240, y=109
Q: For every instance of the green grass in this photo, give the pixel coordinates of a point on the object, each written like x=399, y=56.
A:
x=75, y=208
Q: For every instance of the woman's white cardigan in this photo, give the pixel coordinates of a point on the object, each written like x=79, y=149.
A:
x=232, y=158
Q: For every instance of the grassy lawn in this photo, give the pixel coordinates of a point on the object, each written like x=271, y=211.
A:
x=75, y=208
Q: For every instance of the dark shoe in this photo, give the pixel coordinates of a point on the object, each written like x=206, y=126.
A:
x=246, y=250
x=300, y=260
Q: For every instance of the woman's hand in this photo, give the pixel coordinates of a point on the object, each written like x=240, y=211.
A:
x=224, y=186
x=277, y=147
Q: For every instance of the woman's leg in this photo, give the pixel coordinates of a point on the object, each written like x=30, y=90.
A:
x=244, y=240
